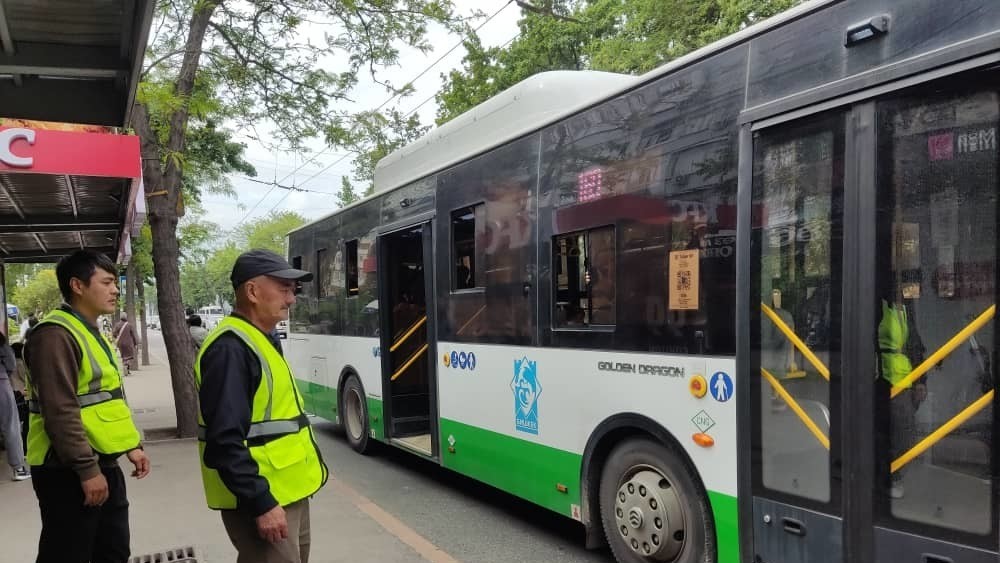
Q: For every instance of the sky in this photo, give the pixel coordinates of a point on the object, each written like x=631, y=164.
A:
x=323, y=174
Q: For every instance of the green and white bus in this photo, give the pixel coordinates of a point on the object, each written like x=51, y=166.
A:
x=738, y=309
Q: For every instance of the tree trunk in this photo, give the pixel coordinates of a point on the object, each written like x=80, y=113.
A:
x=141, y=291
x=130, y=295
x=162, y=179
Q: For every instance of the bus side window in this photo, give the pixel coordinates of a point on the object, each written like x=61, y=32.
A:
x=584, y=267
x=467, y=229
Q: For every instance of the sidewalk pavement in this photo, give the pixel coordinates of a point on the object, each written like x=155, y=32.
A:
x=168, y=508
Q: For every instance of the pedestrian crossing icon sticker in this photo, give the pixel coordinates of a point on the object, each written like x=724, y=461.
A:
x=721, y=386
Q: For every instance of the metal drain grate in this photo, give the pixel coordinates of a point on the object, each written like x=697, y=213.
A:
x=178, y=555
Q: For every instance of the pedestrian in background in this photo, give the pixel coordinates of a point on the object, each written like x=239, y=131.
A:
x=251, y=413
x=126, y=341
x=18, y=381
x=10, y=422
x=197, y=332
x=79, y=422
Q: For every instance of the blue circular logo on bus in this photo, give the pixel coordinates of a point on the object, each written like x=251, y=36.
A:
x=472, y=361
x=463, y=359
x=454, y=360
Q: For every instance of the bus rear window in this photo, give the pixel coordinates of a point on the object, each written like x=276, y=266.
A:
x=584, y=269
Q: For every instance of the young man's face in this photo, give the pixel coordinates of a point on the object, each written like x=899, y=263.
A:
x=100, y=296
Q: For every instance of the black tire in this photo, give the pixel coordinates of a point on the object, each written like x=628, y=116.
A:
x=688, y=536
x=354, y=415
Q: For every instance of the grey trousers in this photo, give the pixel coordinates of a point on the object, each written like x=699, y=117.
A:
x=903, y=426
x=10, y=425
x=242, y=530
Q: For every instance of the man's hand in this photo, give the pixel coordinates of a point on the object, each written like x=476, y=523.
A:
x=95, y=490
x=272, y=525
x=141, y=463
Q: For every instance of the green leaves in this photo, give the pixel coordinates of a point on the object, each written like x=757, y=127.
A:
x=625, y=36
x=206, y=266
x=40, y=293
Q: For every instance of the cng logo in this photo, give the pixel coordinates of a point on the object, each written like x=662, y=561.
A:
x=526, y=390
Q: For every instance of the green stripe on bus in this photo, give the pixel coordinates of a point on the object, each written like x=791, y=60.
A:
x=321, y=401
x=727, y=535
x=519, y=467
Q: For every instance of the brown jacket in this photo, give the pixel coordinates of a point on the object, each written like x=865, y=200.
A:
x=53, y=359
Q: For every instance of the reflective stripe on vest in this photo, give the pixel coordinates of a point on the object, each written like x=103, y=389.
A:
x=87, y=400
x=270, y=429
x=279, y=439
x=106, y=417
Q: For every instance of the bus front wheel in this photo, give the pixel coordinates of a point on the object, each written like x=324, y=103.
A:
x=651, y=507
x=354, y=415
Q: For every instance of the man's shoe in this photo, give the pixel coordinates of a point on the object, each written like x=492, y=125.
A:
x=21, y=474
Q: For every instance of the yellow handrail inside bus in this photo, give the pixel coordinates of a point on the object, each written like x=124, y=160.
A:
x=945, y=429
x=943, y=351
x=472, y=318
x=796, y=408
x=409, y=332
x=795, y=340
x=412, y=359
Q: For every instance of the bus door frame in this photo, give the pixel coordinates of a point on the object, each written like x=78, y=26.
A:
x=425, y=221
x=862, y=534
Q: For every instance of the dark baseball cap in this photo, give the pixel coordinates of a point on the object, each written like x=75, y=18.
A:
x=255, y=263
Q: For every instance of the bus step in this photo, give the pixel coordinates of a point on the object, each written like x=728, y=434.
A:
x=407, y=425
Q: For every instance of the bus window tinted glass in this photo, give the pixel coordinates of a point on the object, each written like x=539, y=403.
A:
x=351, y=266
x=936, y=256
x=795, y=303
x=584, y=270
x=322, y=276
x=467, y=229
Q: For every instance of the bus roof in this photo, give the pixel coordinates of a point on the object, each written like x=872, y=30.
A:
x=525, y=107
x=532, y=104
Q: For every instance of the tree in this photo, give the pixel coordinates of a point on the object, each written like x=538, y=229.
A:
x=142, y=261
x=250, y=63
x=269, y=232
x=372, y=136
x=610, y=35
x=41, y=293
x=346, y=195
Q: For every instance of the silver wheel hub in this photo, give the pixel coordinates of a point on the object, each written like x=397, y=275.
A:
x=354, y=415
x=649, y=516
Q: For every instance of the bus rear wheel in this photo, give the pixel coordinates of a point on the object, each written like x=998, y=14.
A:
x=651, y=507
x=354, y=415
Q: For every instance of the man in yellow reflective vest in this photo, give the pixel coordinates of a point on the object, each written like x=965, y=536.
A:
x=260, y=462
x=79, y=423
x=893, y=344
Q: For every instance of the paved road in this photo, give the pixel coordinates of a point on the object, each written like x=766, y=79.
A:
x=469, y=521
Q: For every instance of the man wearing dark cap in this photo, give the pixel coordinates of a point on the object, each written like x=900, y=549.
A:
x=260, y=462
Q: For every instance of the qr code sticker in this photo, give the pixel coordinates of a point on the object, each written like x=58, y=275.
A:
x=684, y=280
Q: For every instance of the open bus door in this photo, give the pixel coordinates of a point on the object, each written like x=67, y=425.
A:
x=871, y=342
x=408, y=369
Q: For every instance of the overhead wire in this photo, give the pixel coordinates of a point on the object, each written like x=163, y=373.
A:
x=280, y=183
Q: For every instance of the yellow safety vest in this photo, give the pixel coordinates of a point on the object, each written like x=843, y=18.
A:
x=280, y=439
x=106, y=417
x=893, y=332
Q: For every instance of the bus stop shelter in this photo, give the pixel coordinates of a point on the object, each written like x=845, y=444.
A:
x=70, y=177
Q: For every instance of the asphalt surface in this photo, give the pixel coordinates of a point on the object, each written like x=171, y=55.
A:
x=470, y=521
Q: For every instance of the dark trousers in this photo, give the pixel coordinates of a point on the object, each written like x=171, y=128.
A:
x=74, y=533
